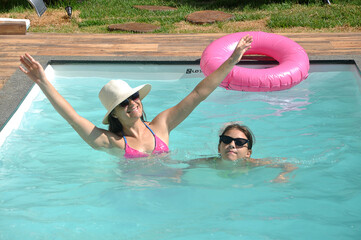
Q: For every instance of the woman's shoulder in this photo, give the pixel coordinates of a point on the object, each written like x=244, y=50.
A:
x=159, y=130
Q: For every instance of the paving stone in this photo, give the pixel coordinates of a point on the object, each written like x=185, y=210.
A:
x=134, y=27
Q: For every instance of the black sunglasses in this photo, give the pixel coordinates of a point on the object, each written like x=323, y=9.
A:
x=126, y=101
x=238, y=141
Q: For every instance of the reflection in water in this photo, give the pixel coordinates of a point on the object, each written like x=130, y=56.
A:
x=150, y=172
x=283, y=101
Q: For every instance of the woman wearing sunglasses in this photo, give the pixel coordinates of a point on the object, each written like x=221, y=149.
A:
x=128, y=135
x=235, y=144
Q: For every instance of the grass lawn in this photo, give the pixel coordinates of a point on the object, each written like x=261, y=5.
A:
x=94, y=16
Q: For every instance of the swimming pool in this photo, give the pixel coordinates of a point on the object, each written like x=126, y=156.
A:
x=54, y=186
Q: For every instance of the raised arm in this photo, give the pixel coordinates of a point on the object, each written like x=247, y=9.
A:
x=95, y=137
x=170, y=118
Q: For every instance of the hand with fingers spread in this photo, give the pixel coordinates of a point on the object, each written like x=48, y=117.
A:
x=33, y=69
x=243, y=45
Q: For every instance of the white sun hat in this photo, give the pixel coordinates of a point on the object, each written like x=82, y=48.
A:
x=116, y=91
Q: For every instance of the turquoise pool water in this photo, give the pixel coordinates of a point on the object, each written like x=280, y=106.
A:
x=53, y=186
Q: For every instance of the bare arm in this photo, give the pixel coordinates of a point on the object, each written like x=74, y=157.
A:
x=286, y=168
x=95, y=137
x=174, y=116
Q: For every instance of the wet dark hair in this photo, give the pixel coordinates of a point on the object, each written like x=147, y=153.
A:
x=243, y=129
x=115, y=126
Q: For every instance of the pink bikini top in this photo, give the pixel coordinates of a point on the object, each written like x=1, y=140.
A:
x=160, y=147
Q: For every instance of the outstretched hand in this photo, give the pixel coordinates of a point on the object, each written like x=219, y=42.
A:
x=33, y=69
x=243, y=45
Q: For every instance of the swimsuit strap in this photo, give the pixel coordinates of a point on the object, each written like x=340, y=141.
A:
x=149, y=128
x=125, y=140
x=159, y=146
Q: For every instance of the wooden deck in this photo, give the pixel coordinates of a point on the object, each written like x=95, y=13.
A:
x=153, y=45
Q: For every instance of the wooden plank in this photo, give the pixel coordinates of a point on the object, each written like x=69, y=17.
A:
x=88, y=47
x=350, y=44
x=8, y=71
x=11, y=64
x=12, y=28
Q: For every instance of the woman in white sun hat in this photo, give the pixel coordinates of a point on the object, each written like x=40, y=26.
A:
x=128, y=134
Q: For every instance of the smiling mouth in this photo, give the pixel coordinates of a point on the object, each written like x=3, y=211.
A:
x=133, y=109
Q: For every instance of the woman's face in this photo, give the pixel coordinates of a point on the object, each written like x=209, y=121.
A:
x=133, y=110
x=231, y=151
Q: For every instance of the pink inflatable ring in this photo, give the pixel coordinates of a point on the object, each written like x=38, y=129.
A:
x=292, y=69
